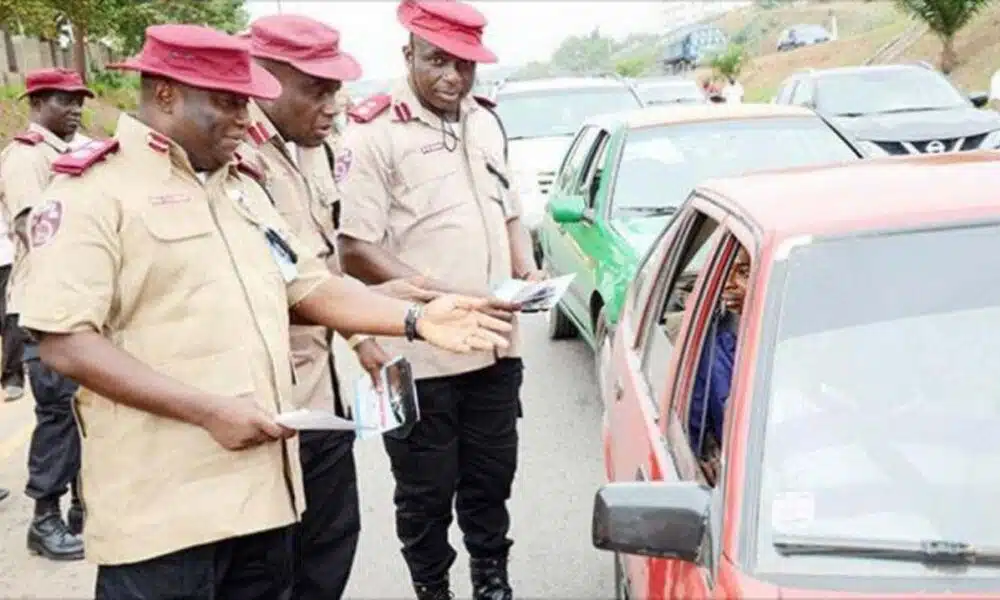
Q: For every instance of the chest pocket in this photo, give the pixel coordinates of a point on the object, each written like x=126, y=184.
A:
x=181, y=233
x=432, y=182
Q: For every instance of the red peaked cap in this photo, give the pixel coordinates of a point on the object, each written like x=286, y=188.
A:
x=54, y=80
x=455, y=27
x=305, y=44
x=202, y=57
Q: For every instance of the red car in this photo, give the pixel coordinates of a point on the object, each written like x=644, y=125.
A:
x=848, y=360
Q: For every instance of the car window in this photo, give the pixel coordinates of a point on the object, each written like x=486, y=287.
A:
x=785, y=95
x=595, y=169
x=882, y=90
x=680, y=92
x=878, y=405
x=559, y=112
x=660, y=166
x=803, y=94
x=569, y=173
x=667, y=304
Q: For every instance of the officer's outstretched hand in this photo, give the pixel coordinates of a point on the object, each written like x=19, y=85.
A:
x=239, y=423
x=459, y=324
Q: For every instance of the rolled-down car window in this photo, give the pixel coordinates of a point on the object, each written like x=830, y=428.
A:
x=882, y=418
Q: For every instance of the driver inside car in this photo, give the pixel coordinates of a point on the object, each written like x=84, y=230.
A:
x=715, y=370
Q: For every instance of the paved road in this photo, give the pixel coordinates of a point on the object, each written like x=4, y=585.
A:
x=560, y=469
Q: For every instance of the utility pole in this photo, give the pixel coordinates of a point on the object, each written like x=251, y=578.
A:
x=279, y=6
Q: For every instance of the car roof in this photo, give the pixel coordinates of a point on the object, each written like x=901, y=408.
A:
x=691, y=113
x=862, y=69
x=864, y=195
x=559, y=83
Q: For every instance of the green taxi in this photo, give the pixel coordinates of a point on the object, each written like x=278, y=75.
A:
x=625, y=175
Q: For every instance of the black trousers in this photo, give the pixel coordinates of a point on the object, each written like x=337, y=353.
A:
x=327, y=537
x=463, y=450
x=54, y=453
x=259, y=566
x=12, y=372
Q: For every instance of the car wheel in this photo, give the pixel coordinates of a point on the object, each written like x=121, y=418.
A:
x=559, y=325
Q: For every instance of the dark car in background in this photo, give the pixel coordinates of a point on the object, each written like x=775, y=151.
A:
x=896, y=109
x=798, y=36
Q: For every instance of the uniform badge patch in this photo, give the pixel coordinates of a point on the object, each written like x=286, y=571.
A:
x=45, y=222
x=342, y=164
x=432, y=147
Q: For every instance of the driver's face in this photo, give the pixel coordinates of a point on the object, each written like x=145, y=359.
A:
x=735, y=290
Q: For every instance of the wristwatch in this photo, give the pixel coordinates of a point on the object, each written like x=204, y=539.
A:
x=355, y=340
x=410, y=322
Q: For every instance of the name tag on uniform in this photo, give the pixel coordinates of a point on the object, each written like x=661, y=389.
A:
x=283, y=254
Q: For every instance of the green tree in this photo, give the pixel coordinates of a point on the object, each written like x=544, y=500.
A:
x=634, y=66
x=132, y=17
x=582, y=54
x=945, y=18
x=729, y=63
x=32, y=17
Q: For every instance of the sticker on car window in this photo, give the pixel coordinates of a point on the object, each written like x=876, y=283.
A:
x=792, y=509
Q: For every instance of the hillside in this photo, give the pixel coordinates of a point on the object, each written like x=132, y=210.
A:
x=864, y=28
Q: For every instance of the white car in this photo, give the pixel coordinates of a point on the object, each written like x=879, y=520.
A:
x=541, y=117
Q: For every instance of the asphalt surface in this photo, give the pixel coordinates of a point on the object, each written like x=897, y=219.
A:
x=560, y=468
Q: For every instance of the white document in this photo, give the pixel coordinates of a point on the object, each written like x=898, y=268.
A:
x=534, y=296
x=395, y=406
x=305, y=419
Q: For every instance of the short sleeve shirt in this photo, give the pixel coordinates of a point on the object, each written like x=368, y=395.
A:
x=433, y=195
x=178, y=274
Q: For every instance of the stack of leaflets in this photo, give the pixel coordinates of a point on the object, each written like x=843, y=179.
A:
x=374, y=413
x=536, y=296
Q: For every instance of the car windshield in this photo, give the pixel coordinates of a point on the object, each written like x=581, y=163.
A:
x=879, y=91
x=660, y=166
x=881, y=405
x=667, y=93
x=559, y=112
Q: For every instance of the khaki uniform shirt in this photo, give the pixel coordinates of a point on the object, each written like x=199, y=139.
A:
x=300, y=184
x=178, y=274
x=437, y=210
x=25, y=172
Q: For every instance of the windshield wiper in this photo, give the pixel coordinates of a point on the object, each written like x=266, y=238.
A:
x=531, y=137
x=649, y=210
x=892, y=111
x=850, y=114
x=932, y=552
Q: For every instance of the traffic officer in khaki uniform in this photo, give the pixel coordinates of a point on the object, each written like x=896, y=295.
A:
x=286, y=139
x=163, y=281
x=426, y=191
x=56, y=97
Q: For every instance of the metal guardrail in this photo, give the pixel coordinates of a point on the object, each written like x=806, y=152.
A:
x=891, y=50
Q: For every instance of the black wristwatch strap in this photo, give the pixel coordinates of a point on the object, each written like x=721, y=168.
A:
x=410, y=323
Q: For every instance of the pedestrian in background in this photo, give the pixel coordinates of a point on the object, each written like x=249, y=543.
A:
x=56, y=97
x=163, y=280
x=426, y=191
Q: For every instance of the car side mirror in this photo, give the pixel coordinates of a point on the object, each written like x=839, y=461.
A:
x=569, y=209
x=979, y=99
x=662, y=520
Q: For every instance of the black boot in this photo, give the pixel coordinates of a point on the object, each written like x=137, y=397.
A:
x=74, y=518
x=50, y=537
x=489, y=579
x=439, y=590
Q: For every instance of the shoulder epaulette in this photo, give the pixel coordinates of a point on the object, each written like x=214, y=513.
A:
x=245, y=167
x=78, y=161
x=485, y=102
x=31, y=138
x=370, y=108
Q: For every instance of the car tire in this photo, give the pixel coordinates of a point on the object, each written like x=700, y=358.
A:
x=559, y=325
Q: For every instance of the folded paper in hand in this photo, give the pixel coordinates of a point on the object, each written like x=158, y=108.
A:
x=374, y=413
x=534, y=296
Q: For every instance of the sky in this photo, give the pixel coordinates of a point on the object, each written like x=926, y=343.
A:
x=518, y=30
